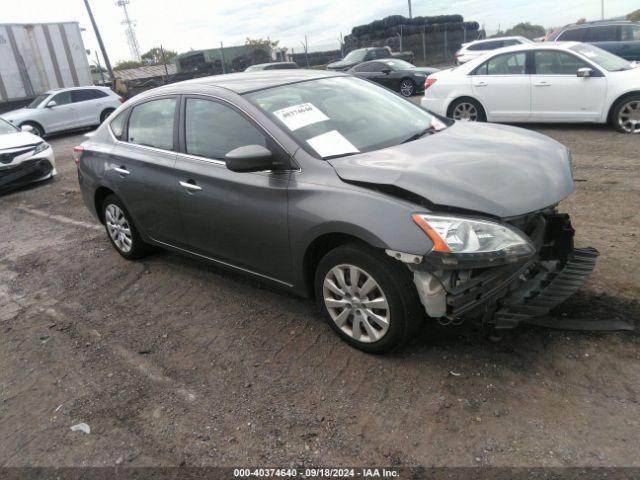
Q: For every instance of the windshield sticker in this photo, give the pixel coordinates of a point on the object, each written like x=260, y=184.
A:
x=300, y=116
x=331, y=143
x=437, y=125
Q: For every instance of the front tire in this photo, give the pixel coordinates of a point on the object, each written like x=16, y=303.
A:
x=121, y=230
x=36, y=128
x=367, y=298
x=466, y=110
x=626, y=115
x=407, y=87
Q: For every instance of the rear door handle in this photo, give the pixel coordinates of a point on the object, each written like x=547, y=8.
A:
x=190, y=185
x=481, y=84
x=542, y=84
x=122, y=170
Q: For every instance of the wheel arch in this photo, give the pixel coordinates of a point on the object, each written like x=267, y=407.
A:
x=98, y=199
x=615, y=103
x=33, y=122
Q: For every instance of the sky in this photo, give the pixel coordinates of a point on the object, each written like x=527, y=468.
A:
x=183, y=25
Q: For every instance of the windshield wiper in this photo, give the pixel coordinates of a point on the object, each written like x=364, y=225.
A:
x=427, y=131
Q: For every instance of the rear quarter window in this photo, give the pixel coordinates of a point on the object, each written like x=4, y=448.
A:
x=573, y=35
x=118, y=123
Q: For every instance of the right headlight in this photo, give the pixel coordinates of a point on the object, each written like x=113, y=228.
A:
x=41, y=147
x=459, y=235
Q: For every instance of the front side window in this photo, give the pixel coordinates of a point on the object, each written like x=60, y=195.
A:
x=87, y=94
x=604, y=33
x=364, y=67
x=333, y=117
x=151, y=124
x=212, y=129
x=355, y=56
x=63, y=98
x=398, y=64
x=630, y=33
x=573, y=35
x=550, y=62
x=505, y=64
x=38, y=100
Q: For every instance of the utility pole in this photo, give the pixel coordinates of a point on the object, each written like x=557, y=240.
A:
x=410, y=15
x=99, y=67
x=132, y=40
x=99, y=38
x=602, y=8
x=164, y=62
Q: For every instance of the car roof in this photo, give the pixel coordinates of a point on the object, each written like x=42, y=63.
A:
x=272, y=63
x=596, y=23
x=69, y=89
x=513, y=37
x=245, y=82
x=536, y=46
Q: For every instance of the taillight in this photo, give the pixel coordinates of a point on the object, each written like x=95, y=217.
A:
x=121, y=99
x=77, y=154
x=456, y=55
x=429, y=81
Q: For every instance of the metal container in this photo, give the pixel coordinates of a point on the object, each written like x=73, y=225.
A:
x=38, y=57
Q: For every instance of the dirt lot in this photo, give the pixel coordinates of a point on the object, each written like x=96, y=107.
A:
x=174, y=362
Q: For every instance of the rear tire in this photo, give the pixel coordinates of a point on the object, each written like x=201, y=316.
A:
x=380, y=310
x=626, y=114
x=121, y=230
x=407, y=87
x=104, y=115
x=466, y=109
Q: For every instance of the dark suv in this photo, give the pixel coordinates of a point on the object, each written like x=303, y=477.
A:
x=621, y=38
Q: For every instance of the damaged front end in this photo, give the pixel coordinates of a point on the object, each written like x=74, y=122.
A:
x=531, y=270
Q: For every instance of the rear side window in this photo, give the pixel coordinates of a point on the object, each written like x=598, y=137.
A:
x=117, y=125
x=549, y=62
x=87, y=94
x=212, y=130
x=574, y=35
x=487, y=45
x=151, y=124
x=506, y=64
x=630, y=33
x=604, y=33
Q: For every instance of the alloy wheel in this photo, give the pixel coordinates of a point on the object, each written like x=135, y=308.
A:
x=118, y=228
x=356, y=303
x=629, y=117
x=465, y=111
x=407, y=88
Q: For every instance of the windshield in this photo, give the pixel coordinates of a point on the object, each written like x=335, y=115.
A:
x=398, y=64
x=339, y=116
x=355, y=56
x=6, y=127
x=606, y=60
x=38, y=100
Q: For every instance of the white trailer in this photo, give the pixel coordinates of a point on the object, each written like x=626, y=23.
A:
x=37, y=57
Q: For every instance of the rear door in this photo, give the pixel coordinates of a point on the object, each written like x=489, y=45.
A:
x=141, y=168
x=88, y=102
x=235, y=218
x=558, y=94
x=503, y=87
x=630, y=42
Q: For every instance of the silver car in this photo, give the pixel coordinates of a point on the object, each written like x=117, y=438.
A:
x=333, y=187
x=65, y=109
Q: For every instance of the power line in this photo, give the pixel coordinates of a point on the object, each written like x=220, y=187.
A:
x=129, y=24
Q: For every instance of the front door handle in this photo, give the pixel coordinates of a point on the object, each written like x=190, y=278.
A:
x=542, y=84
x=122, y=170
x=190, y=185
x=481, y=84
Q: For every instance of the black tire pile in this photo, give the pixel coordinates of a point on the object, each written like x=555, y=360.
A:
x=437, y=29
x=317, y=58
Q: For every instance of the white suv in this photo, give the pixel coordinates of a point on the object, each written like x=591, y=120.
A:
x=472, y=50
x=65, y=109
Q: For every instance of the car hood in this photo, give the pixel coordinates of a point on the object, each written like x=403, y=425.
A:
x=341, y=64
x=493, y=169
x=14, y=115
x=18, y=139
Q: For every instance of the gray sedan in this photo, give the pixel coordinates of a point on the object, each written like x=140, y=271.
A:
x=335, y=188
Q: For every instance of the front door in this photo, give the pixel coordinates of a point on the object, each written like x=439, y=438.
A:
x=239, y=219
x=503, y=87
x=558, y=94
x=60, y=116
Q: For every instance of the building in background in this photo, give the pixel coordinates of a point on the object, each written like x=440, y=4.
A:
x=220, y=60
x=37, y=57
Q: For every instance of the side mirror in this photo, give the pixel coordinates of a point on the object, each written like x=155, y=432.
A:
x=27, y=128
x=250, y=158
x=584, y=72
x=386, y=71
x=52, y=104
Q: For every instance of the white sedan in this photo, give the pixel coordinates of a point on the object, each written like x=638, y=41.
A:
x=66, y=109
x=24, y=157
x=560, y=82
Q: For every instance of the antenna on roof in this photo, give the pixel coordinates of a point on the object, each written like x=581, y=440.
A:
x=129, y=24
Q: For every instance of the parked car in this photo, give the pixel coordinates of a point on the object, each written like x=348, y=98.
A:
x=619, y=37
x=548, y=82
x=65, y=109
x=477, y=48
x=272, y=66
x=355, y=57
x=331, y=186
x=395, y=74
x=24, y=158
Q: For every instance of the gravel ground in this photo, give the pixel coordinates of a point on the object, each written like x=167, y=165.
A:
x=172, y=362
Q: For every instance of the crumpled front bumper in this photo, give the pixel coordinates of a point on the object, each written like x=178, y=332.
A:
x=20, y=173
x=506, y=295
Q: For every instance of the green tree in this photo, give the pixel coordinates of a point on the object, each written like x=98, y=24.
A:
x=525, y=29
x=261, y=42
x=124, y=64
x=154, y=56
x=634, y=16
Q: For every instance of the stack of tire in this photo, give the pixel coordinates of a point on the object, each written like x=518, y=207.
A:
x=316, y=58
x=441, y=33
